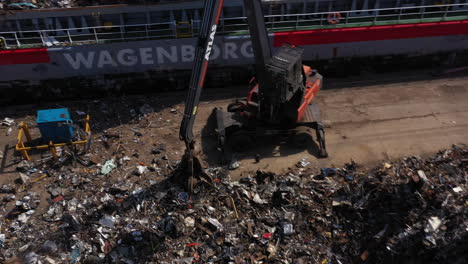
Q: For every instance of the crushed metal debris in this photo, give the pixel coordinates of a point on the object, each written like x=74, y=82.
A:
x=409, y=211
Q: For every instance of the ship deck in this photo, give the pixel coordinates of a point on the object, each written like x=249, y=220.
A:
x=127, y=31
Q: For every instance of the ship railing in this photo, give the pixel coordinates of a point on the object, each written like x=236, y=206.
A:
x=353, y=18
x=89, y=35
x=234, y=26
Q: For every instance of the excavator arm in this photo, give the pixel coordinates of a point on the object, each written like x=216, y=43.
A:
x=211, y=13
x=259, y=37
x=190, y=166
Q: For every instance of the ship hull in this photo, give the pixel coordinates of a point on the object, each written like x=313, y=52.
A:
x=159, y=59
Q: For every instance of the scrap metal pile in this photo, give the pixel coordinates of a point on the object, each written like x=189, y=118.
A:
x=409, y=211
x=34, y=4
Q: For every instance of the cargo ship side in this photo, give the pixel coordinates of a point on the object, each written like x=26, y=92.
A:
x=59, y=52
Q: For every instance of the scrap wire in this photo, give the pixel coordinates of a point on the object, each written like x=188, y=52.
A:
x=234, y=206
x=40, y=178
x=230, y=197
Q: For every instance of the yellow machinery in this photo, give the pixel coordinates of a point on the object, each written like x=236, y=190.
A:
x=24, y=131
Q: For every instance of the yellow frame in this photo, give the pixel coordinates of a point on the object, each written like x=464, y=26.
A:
x=20, y=147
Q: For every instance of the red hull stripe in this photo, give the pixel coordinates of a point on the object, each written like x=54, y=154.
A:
x=340, y=35
x=24, y=56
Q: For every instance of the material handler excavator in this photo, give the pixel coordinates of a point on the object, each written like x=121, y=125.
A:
x=278, y=102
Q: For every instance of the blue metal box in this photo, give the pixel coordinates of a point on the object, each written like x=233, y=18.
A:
x=55, y=125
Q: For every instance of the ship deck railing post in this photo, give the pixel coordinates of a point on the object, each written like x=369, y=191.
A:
x=174, y=29
x=193, y=27
x=17, y=40
x=42, y=37
x=122, y=36
x=69, y=36
x=95, y=35
x=146, y=31
x=297, y=22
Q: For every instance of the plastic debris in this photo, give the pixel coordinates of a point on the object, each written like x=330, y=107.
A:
x=6, y=189
x=433, y=224
x=141, y=169
x=287, y=228
x=304, y=163
x=137, y=235
x=2, y=239
x=189, y=222
x=234, y=164
x=23, y=178
x=422, y=175
x=31, y=258
x=75, y=255
x=23, y=218
x=327, y=172
x=49, y=246
x=108, y=167
x=7, y=122
x=107, y=221
x=259, y=200
x=216, y=224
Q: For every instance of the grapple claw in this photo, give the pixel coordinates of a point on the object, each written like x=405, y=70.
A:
x=192, y=170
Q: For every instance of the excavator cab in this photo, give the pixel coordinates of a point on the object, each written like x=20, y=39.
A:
x=277, y=106
x=279, y=101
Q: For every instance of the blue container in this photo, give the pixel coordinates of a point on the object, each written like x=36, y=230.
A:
x=55, y=125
